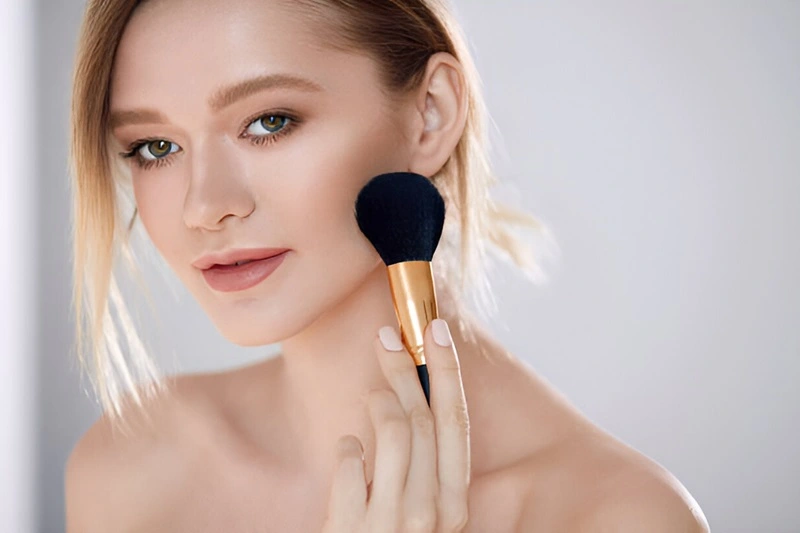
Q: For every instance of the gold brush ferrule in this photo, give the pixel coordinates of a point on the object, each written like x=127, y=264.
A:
x=414, y=297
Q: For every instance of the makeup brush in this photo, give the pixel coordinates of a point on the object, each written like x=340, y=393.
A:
x=402, y=215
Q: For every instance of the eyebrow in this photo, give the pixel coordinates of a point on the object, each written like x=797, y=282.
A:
x=220, y=99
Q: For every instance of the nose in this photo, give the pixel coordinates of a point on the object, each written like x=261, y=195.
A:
x=218, y=186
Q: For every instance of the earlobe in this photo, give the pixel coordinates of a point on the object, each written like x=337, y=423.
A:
x=441, y=103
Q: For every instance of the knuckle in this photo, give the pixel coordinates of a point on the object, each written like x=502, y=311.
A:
x=422, y=421
x=383, y=404
x=400, y=371
x=395, y=430
x=455, y=517
x=421, y=521
x=459, y=416
x=379, y=397
x=450, y=367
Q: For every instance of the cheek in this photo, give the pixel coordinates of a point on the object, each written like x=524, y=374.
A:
x=147, y=205
x=319, y=220
x=157, y=211
x=320, y=196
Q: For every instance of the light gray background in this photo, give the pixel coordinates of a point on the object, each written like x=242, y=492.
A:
x=661, y=143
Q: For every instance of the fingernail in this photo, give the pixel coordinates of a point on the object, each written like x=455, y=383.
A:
x=390, y=339
x=441, y=333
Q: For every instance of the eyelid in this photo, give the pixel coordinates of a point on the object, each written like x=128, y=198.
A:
x=271, y=112
x=242, y=129
x=134, y=147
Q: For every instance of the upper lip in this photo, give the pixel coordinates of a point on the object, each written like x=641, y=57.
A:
x=228, y=257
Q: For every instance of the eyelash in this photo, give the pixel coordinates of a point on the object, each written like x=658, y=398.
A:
x=146, y=164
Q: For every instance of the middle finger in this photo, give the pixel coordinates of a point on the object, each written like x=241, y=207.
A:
x=421, y=483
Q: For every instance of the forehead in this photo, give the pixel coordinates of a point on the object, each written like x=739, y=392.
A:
x=180, y=50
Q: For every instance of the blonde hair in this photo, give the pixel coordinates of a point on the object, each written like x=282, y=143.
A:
x=412, y=30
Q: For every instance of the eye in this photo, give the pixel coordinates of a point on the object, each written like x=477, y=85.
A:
x=266, y=128
x=158, y=149
x=266, y=125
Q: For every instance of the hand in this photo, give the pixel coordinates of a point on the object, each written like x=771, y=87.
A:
x=422, y=454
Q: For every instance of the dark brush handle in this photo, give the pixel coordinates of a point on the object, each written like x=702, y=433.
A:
x=422, y=372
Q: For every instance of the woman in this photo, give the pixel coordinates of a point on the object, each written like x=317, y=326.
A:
x=250, y=126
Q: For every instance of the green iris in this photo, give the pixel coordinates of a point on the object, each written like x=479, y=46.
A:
x=272, y=122
x=159, y=148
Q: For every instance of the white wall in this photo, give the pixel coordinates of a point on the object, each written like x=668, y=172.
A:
x=659, y=141
x=17, y=268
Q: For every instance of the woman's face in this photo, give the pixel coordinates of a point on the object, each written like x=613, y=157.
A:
x=277, y=167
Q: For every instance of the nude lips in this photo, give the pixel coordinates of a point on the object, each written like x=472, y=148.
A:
x=231, y=278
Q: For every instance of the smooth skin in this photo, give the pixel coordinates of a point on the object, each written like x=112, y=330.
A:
x=254, y=449
x=422, y=457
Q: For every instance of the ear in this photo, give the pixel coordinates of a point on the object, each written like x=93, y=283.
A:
x=440, y=114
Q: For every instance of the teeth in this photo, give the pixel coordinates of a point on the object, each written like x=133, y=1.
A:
x=237, y=263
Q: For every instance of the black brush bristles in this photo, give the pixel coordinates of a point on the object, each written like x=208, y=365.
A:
x=402, y=215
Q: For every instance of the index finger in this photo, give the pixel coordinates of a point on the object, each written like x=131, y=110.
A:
x=449, y=406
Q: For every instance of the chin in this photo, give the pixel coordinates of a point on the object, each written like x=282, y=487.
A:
x=248, y=337
x=250, y=327
x=250, y=333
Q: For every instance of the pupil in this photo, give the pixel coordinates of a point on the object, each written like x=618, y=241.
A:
x=271, y=122
x=160, y=148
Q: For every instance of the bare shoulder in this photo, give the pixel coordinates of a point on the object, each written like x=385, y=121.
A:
x=601, y=484
x=569, y=474
x=117, y=477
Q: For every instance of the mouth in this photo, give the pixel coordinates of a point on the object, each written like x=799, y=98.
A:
x=236, y=264
x=236, y=257
x=242, y=275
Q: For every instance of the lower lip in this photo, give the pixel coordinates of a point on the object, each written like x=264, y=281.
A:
x=242, y=277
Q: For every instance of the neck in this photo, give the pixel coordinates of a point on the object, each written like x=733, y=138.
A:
x=326, y=371
x=329, y=367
